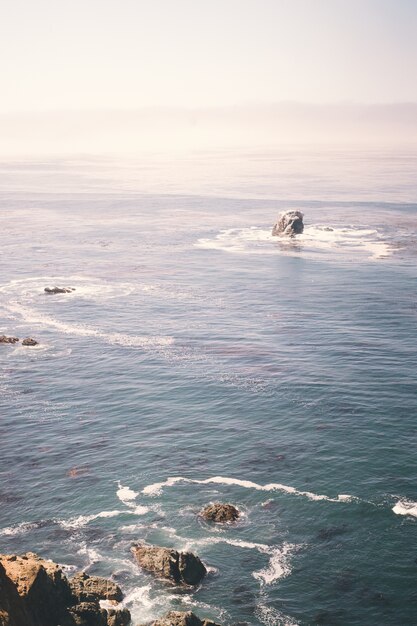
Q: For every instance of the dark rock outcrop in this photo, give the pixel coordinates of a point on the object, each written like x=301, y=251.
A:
x=178, y=618
x=85, y=588
x=179, y=567
x=218, y=512
x=5, y=339
x=59, y=289
x=289, y=223
x=36, y=592
x=29, y=342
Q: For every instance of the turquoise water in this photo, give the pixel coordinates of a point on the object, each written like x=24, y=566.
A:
x=279, y=376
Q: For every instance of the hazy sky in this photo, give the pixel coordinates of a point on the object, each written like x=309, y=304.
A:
x=77, y=54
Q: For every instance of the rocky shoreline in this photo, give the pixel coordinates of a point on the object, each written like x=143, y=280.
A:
x=36, y=592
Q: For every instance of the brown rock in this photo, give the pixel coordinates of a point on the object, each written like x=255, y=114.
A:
x=41, y=585
x=180, y=567
x=87, y=588
x=5, y=339
x=29, y=342
x=35, y=592
x=12, y=608
x=218, y=512
x=118, y=617
x=178, y=618
x=87, y=614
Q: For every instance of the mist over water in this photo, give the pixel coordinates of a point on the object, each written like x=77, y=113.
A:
x=200, y=359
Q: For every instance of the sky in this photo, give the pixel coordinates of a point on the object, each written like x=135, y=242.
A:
x=128, y=54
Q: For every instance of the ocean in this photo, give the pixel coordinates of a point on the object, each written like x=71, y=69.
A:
x=200, y=359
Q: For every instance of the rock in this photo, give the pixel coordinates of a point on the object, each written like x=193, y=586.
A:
x=42, y=586
x=178, y=618
x=12, y=608
x=29, y=342
x=35, y=592
x=180, y=567
x=87, y=588
x=218, y=512
x=289, y=223
x=118, y=617
x=87, y=614
x=59, y=289
x=5, y=339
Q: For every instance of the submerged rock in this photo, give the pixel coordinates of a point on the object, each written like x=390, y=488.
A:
x=180, y=567
x=29, y=342
x=36, y=592
x=289, y=223
x=5, y=339
x=178, y=618
x=218, y=512
x=59, y=289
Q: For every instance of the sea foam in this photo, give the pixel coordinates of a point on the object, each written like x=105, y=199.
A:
x=405, y=507
x=156, y=488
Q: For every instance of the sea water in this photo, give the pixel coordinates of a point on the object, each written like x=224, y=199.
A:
x=200, y=359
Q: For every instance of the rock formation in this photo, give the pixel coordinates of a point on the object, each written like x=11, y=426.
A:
x=36, y=592
x=87, y=588
x=29, y=342
x=59, y=289
x=289, y=223
x=178, y=618
x=179, y=567
x=218, y=512
x=5, y=339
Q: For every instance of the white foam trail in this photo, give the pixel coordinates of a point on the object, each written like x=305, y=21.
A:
x=279, y=566
x=405, y=507
x=83, y=520
x=18, y=529
x=126, y=495
x=31, y=316
x=279, y=561
x=156, y=488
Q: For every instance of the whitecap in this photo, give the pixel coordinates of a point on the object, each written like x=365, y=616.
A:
x=126, y=495
x=405, y=507
x=156, y=488
x=83, y=520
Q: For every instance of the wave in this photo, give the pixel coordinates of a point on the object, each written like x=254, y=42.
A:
x=83, y=520
x=405, y=507
x=32, y=316
x=316, y=241
x=156, y=488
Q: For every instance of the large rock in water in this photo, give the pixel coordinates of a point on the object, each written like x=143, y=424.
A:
x=180, y=567
x=36, y=592
x=218, y=512
x=178, y=618
x=289, y=223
